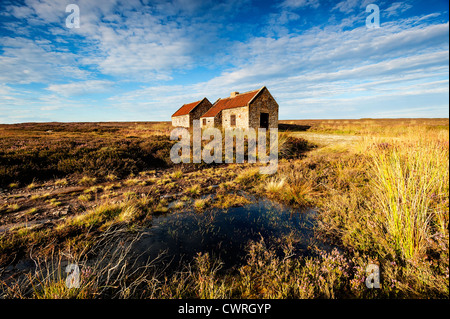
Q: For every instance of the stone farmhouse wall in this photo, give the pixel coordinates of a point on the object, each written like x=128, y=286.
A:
x=263, y=103
x=181, y=121
x=246, y=116
x=241, y=114
x=209, y=122
x=187, y=120
x=212, y=121
x=199, y=110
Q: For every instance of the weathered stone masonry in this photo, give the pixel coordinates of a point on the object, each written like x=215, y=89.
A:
x=186, y=115
x=253, y=109
x=263, y=103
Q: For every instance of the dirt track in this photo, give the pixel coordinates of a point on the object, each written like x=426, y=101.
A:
x=328, y=139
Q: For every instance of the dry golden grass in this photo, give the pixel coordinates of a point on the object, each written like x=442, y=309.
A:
x=380, y=188
x=384, y=194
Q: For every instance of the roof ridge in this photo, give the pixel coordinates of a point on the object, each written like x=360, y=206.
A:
x=196, y=102
x=183, y=111
x=239, y=100
x=244, y=93
x=254, y=96
x=238, y=95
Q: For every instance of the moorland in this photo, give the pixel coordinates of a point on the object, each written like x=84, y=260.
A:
x=86, y=193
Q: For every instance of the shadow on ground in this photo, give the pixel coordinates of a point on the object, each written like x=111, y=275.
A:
x=293, y=127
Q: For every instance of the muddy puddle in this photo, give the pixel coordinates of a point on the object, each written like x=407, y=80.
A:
x=223, y=233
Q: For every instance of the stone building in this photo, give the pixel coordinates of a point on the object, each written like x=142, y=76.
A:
x=186, y=114
x=256, y=109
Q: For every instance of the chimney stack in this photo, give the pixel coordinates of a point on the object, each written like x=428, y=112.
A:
x=233, y=94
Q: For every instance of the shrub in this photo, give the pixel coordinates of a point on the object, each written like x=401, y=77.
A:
x=24, y=157
x=292, y=147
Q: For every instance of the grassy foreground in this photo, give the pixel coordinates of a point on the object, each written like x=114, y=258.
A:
x=381, y=188
x=384, y=198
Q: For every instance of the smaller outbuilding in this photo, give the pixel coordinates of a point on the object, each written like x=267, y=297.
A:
x=186, y=114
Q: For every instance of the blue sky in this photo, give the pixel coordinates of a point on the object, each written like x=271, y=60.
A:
x=141, y=60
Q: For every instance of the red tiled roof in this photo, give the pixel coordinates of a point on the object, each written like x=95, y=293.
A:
x=230, y=102
x=186, y=108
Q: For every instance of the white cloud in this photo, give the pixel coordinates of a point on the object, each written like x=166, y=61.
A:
x=429, y=16
x=141, y=43
x=396, y=9
x=81, y=88
x=321, y=67
x=330, y=52
x=294, y=4
x=334, y=64
x=347, y=6
x=25, y=61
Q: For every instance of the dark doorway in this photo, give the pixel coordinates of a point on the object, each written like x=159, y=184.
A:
x=264, y=120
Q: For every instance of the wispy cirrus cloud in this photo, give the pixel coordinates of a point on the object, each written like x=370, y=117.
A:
x=81, y=88
x=26, y=60
x=126, y=39
x=130, y=60
x=294, y=4
x=324, y=66
x=397, y=8
x=348, y=6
